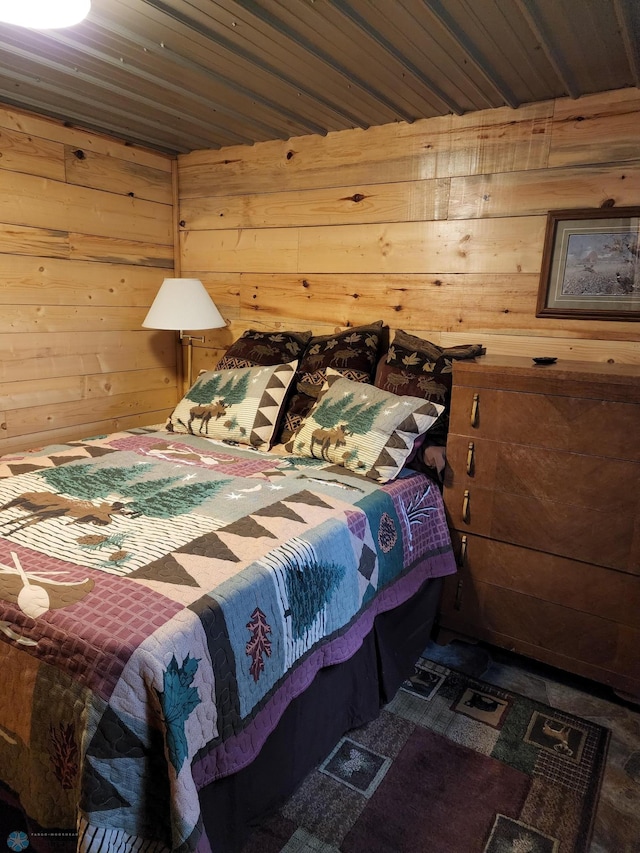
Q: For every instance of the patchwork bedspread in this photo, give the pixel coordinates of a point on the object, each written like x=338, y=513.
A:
x=162, y=599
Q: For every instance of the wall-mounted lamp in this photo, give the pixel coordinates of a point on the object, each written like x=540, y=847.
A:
x=183, y=303
x=44, y=14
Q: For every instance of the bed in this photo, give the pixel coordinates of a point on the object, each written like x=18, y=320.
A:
x=192, y=615
x=188, y=625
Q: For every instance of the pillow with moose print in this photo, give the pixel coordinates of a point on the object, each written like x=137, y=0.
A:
x=363, y=428
x=423, y=369
x=256, y=347
x=352, y=353
x=241, y=406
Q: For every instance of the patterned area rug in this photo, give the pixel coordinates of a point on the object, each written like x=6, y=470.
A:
x=452, y=765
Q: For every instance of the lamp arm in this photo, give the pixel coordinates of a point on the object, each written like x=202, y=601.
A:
x=190, y=339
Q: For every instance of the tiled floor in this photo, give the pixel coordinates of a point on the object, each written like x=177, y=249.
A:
x=617, y=828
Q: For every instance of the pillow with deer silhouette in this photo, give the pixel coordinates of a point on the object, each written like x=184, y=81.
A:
x=240, y=406
x=255, y=347
x=420, y=368
x=352, y=352
x=363, y=428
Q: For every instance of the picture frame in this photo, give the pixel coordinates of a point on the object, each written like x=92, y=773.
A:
x=591, y=264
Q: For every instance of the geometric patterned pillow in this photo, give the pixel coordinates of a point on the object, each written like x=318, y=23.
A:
x=254, y=347
x=240, y=405
x=363, y=428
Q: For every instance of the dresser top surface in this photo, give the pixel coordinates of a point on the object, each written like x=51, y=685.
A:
x=565, y=377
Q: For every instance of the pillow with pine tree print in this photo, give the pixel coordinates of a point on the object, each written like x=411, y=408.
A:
x=363, y=428
x=353, y=352
x=241, y=406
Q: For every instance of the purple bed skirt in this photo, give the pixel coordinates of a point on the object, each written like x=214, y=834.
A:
x=340, y=697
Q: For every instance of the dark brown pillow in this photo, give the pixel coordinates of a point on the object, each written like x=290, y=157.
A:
x=419, y=368
x=255, y=348
x=353, y=353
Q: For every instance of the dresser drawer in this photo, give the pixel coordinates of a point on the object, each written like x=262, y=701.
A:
x=605, y=538
x=580, y=642
x=568, y=583
x=595, y=427
x=605, y=485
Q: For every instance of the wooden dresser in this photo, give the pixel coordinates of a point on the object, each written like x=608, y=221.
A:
x=542, y=490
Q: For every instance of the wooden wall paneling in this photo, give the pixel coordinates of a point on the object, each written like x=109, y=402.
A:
x=87, y=140
x=600, y=128
x=394, y=152
x=117, y=250
x=500, y=140
x=402, y=201
x=89, y=428
x=579, y=349
x=494, y=302
x=84, y=243
x=51, y=243
x=73, y=412
x=47, y=392
x=206, y=358
x=503, y=245
x=62, y=389
x=447, y=304
x=39, y=202
x=29, y=280
x=126, y=177
x=611, y=349
x=540, y=190
x=492, y=140
x=65, y=318
x=492, y=246
x=24, y=240
x=304, y=254
x=48, y=354
x=23, y=152
x=239, y=250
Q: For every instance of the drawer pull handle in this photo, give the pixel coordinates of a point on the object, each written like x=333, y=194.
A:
x=457, y=604
x=462, y=559
x=474, y=410
x=465, y=507
x=470, y=459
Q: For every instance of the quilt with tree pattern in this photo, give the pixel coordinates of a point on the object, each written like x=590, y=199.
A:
x=163, y=598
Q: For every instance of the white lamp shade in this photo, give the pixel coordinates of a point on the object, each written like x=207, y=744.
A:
x=183, y=303
x=44, y=14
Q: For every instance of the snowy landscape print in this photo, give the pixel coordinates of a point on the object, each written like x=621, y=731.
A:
x=602, y=263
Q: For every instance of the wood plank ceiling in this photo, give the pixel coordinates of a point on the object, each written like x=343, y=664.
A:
x=180, y=75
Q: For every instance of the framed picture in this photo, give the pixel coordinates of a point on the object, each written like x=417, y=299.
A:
x=591, y=264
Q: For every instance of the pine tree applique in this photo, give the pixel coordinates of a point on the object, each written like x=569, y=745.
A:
x=178, y=699
x=64, y=754
x=259, y=644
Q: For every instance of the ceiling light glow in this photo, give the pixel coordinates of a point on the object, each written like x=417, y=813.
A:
x=44, y=14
